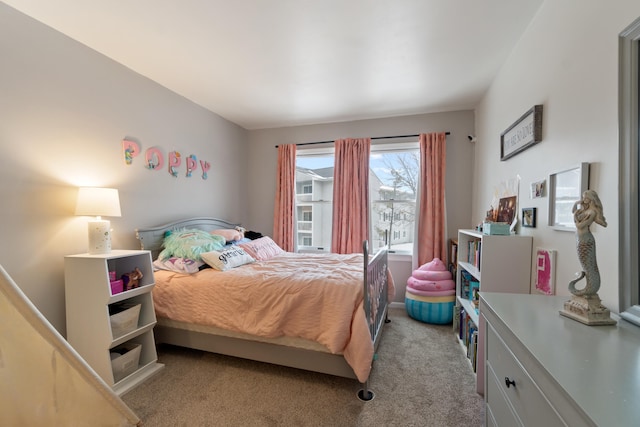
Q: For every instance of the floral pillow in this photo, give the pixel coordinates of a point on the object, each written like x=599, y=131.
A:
x=262, y=249
x=227, y=259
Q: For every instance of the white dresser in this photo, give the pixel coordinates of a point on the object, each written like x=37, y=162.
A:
x=544, y=369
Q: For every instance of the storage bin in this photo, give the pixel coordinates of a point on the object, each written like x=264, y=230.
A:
x=124, y=360
x=125, y=321
x=496, y=229
x=117, y=286
x=437, y=310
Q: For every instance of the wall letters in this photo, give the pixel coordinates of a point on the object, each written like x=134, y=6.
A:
x=154, y=159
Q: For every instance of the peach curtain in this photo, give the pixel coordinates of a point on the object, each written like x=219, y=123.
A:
x=350, y=195
x=284, y=210
x=431, y=214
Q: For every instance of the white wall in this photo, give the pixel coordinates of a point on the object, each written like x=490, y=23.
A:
x=262, y=158
x=568, y=61
x=64, y=110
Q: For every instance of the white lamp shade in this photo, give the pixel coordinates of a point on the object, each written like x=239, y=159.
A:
x=98, y=202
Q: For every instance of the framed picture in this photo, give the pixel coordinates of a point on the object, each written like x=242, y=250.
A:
x=507, y=209
x=546, y=271
x=529, y=217
x=538, y=189
x=524, y=133
x=565, y=189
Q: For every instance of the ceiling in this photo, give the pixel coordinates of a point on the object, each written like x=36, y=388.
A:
x=265, y=64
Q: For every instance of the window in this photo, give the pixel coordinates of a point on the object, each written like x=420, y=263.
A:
x=314, y=179
x=629, y=100
x=393, y=179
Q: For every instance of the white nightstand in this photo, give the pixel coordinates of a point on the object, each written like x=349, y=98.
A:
x=89, y=299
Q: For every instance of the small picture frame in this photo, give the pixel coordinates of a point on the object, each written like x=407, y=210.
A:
x=538, y=189
x=507, y=209
x=529, y=217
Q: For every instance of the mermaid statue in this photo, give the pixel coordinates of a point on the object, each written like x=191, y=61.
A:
x=585, y=212
x=585, y=305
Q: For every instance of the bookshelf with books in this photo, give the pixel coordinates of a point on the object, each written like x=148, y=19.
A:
x=486, y=263
x=453, y=256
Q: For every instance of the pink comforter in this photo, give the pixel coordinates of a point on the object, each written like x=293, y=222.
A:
x=313, y=296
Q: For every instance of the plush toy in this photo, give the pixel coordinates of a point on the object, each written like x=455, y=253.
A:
x=131, y=280
x=231, y=234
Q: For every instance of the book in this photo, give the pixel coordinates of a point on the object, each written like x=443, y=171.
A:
x=474, y=288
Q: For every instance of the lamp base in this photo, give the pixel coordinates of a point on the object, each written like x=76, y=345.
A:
x=99, y=236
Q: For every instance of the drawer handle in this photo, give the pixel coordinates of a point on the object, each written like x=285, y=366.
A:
x=509, y=382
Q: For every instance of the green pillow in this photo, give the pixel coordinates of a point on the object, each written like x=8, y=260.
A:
x=190, y=243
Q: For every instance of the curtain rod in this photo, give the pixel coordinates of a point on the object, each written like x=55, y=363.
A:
x=373, y=137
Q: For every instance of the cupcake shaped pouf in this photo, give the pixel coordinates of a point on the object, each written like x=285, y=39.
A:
x=431, y=293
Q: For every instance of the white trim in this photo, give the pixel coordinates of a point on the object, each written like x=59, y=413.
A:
x=404, y=256
x=396, y=304
x=629, y=47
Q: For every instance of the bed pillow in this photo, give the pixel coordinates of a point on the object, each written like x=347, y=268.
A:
x=229, y=235
x=262, y=249
x=227, y=259
x=190, y=243
x=179, y=265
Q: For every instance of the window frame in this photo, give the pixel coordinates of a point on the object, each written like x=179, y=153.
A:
x=384, y=147
x=629, y=109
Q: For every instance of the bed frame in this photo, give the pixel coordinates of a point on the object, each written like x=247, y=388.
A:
x=375, y=297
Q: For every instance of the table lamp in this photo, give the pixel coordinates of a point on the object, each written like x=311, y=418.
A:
x=98, y=202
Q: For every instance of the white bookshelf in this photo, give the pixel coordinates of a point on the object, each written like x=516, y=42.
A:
x=88, y=297
x=503, y=264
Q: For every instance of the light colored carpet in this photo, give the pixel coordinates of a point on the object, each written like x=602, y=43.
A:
x=420, y=378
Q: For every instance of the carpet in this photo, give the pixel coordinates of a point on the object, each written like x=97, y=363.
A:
x=420, y=377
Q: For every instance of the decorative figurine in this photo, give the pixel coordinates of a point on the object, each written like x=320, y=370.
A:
x=131, y=280
x=585, y=305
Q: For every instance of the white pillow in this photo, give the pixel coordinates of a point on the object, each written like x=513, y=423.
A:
x=227, y=259
x=179, y=265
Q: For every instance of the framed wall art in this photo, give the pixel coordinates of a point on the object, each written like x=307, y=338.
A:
x=507, y=209
x=565, y=189
x=529, y=217
x=545, y=271
x=538, y=189
x=524, y=133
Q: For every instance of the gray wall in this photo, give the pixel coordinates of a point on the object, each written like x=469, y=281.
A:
x=262, y=158
x=64, y=110
x=567, y=60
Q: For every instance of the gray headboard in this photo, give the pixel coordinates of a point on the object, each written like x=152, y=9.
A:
x=151, y=238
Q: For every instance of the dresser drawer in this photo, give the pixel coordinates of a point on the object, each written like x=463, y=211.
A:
x=499, y=410
x=525, y=397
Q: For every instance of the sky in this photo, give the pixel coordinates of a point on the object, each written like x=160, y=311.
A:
x=375, y=160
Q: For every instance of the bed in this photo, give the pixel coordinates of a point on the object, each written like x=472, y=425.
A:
x=345, y=294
